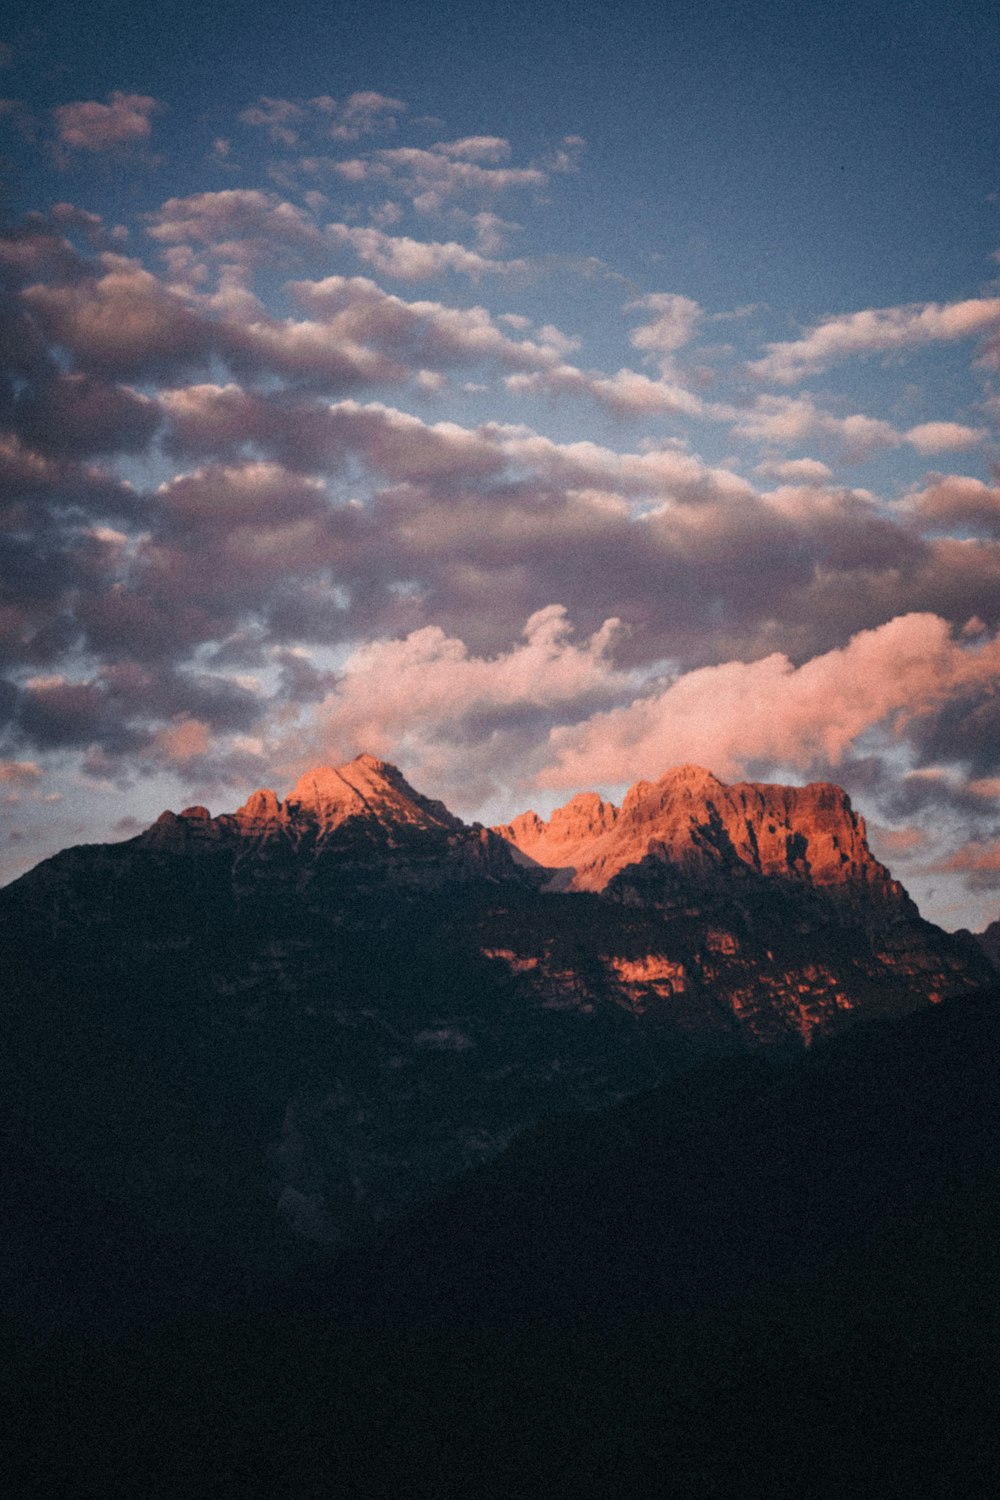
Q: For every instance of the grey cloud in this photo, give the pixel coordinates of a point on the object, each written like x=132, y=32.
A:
x=965, y=731
x=76, y=416
x=122, y=322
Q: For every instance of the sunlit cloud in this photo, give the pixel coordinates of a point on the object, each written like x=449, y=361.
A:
x=120, y=125
x=880, y=330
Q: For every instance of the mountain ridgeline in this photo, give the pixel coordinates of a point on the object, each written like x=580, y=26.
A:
x=363, y=996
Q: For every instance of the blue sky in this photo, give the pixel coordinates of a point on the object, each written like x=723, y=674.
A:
x=537, y=396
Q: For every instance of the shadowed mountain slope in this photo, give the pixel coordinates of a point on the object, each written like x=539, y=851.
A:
x=772, y=1278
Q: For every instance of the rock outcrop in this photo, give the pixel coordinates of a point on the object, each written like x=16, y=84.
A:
x=360, y=821
x=689, y=829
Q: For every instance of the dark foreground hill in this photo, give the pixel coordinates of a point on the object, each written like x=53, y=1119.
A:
x=772, y=1278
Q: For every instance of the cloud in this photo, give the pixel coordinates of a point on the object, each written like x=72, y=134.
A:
x=953, y=500
x=242, y=225
x=430, y=177
x=771, y=711
x=406, y=259
x=362, y=113
x=478, y=148
x=77, y=416
x=428, y=694
x=279, y=117
x=796, y=470
x=185, y=740
x=119, y=126
x=881, y=330
x=944, y=437
x=427, y=334
x=20, y=772
x=674, y=324
x=787, y=421
x=977, y=861
x=502, y=516
x=626, y=394
x=121, y=321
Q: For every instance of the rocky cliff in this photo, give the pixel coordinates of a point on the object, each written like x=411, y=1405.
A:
x=689, y=830
x=363, y=817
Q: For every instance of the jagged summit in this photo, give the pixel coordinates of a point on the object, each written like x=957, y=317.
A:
x=689, y=823
x=368, y=788
x=685, y=828
x=322, y=800
x=361, y=821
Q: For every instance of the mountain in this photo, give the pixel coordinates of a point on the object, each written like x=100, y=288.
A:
x=989, y=941
x=688, y=828
x=276, y=1026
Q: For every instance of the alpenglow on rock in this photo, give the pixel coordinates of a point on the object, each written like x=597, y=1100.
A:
x=359, y=821
x=689, y=826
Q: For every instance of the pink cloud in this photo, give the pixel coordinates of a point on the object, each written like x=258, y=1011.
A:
x=786, y=421
x=429, y=177
x=427, y=333
x=625, y=394
x=20, y=772
x=979, y=863
x=796, y=470
x=120, y=124
x=183, y=741
x=944, y=437
x=120, y=321
x=429, y=696
x=769, y=710
x=876, y=331
x=236, y=224
x=672, y=326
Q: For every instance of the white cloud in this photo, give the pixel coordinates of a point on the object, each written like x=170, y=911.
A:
x=876, y=330
x=944, y=437
x=407, y=259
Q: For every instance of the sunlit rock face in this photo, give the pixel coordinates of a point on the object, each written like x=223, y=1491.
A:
x=358, y=820
x=381, y=996
x=689, y=827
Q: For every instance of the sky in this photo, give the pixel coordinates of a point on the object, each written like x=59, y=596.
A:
x=537, y=396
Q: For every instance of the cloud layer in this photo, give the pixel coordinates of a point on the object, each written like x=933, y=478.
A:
x=338, y=455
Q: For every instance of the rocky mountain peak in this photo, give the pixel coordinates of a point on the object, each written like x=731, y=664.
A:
x=369, y=788
x=691, y=776
x=688, y=823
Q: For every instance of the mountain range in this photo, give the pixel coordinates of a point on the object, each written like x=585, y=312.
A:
x=337, y=1104
x=376, y=995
